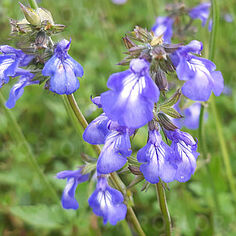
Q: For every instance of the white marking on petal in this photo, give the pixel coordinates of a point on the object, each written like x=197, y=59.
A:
x=4, y=65
x=134, y=85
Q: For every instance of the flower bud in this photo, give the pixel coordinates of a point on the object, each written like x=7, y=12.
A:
x=135, y=170
x=170, y=48
x=31, y=16
x=128, y=42
x=161, y=80
x=45, y=15
x=41, y=40
x=165, y=122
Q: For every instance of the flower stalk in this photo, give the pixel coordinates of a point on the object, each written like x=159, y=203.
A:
x=164, y=208
x=114, y=176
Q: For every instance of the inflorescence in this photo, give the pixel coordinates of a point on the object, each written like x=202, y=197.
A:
x=136, y=97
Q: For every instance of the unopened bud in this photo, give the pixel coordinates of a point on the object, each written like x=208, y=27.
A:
x=135, y=170
x=31, y=16
x=172, y=100
x=45, y=15
x=136, y=50
x=128, y=42
x=161, y=80
x=165, y=122
x=41, y=40
x=170, y=48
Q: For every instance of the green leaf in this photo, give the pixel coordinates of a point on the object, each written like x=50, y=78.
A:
x=41, y=216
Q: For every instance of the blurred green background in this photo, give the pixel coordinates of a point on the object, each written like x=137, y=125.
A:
x=203, y=206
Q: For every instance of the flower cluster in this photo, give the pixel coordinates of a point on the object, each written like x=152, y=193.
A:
x=41, y=61
x=132, y=101
x=136, y=97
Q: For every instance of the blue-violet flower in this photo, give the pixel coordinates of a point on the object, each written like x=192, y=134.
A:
x=201, y=12
x=158, y=160
x=63, y=70
x=114, y=153
x=107, y=202
x=18, y=88
x=97, y=130
x=132, y=96
x=73, y=179
x=10, y=61
x=163, y=26
x=185, y=152
x=199, y=73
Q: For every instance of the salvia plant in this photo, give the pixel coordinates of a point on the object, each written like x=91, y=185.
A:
x=161, y=86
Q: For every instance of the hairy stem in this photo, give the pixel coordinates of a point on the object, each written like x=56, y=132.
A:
x=33, y=4
x=114, y=176
x=164, y=208
x=20, y=138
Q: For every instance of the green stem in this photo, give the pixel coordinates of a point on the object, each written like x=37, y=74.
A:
x=114, y=176
x=223, y=147
x=201, y=132
x=135, y=221
x=215, y=23
x=80, y=118
x=224, y=151
x=29, y=155
x=164, y=208
x=202, y=137
x=33, y=4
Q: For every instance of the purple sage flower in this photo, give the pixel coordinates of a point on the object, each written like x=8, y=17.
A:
x=18, y=88
x=73, y=179
x=158, y=160
x=116, y=142
x=201, y=12
x=97, y=130
x=185, y=152
x=132, y=96
x=63, y=70
x=116, y=149
x=163, y=26
x=199, y=73
x=107, y=202
x=10, y=61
